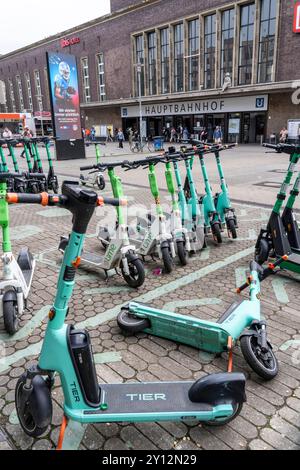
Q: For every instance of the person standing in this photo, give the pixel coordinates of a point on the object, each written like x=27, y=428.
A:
x=218, y=135
x=7, y=134
x=173, y=135
x=93, y=134
x=130, y=136
x=121, y=138
x=185, y=134
x=27, y=134
x=204, y=136
x=283, y=135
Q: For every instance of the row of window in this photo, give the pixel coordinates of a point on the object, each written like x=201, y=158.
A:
x=38, y=88
x=172, y=58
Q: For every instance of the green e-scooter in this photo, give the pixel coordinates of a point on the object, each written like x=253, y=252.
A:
x=95, y=178
x=241, y=322
x=119, y=252
x=214, y=399
x=273, y=241
x=17, y=274
x=4, y=167
x=36, y=182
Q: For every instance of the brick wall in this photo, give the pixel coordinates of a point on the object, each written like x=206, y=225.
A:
x=112, y=37
x=281, y=109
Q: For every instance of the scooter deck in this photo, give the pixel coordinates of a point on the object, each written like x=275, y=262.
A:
x=293, y=263
x=91, y=258
x=150, y=397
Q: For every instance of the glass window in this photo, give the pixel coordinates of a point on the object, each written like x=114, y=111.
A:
x=28, y=87
x=152, y=63
x=101, y=77
x=193, y=60
x=20, y=92
x=38, y=89
x=178, y=58
x=246, y=44
x=165, y=60
x=12, y=95
x=140, y=59
x=47, y=95
x=209, y=51
x=267, y=40
x=86, y=80
x=227, y=43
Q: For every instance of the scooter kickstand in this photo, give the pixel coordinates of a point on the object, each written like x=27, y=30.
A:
x=63, y=428
x=230, y=350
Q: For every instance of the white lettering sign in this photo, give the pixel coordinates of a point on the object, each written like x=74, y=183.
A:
x=206, y=106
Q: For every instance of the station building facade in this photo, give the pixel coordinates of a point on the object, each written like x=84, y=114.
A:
x=197, y=64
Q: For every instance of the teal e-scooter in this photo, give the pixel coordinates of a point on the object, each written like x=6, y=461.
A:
x=222, y=199
x=214, y=399
x=95, y=177
x=192, y=217
x=241, y=322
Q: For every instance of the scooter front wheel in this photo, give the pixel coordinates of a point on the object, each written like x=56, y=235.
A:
x=10, y=317
x=182, y=253
x=262, y=251
x=136, y=276
x=216, y=232
x=101, y=182
x=35, y=410
x=263, y=362
x=237, y=408
x=167, y=259
x=130, y=323
x=232, y=229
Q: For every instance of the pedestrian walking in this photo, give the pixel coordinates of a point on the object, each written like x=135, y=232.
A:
x=27, y=134
x=121, y=138
x=173, y=135
x=7, y=134
x=218, y=135
x=109, y=137
x=130, y=135
x=185, y=134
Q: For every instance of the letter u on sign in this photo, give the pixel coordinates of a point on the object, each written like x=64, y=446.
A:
x=297, y=18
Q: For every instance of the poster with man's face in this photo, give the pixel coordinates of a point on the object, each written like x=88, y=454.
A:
x=64, y=92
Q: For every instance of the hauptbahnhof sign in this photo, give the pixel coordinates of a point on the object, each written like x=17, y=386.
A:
x=206, y=106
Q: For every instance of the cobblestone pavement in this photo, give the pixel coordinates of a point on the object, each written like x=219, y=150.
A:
x=271, y=417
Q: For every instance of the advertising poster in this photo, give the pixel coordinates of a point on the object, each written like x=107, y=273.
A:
x=64, y=92
x=234, y=126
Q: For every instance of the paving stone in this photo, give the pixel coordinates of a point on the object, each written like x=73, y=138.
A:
x=115, y=444
x=286, y=429
x=134, y=439
x=290, y=415
x=258, y=444
x=92, y=440
x=277, y=440
x=207, y=440
x=160, y=438
x=107, y=429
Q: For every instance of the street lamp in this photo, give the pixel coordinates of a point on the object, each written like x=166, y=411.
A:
x=139, y=77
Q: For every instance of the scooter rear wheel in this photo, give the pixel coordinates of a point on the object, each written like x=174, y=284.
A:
x=237, y=408
x=264, y=363
x=130, y=323
x=35, y=415
x=136, y=276
x=182, y=253
x=10, y=317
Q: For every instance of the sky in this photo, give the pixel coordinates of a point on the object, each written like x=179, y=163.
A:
x=27, y=21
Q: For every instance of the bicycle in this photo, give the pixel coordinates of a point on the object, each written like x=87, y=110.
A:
x=138, y=146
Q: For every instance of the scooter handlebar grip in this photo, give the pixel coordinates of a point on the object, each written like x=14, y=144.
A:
x=84, y=168
x=21, y=198
x=102, y=201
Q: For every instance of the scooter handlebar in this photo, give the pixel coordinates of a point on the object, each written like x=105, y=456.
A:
x=90, y=167
x=264, y=273
x=46, y=199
